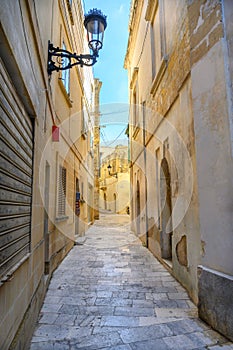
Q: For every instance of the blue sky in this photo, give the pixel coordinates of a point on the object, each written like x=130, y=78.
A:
x=109, y=67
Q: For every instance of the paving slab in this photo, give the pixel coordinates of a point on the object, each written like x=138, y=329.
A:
x=111, y=293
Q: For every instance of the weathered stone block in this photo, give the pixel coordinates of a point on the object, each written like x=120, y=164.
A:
x=181, y=251
x=206, y=26
x=215, y=300
x=216, y=35
x=201, y=9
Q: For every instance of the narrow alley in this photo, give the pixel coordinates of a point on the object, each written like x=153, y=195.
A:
x=111, y=293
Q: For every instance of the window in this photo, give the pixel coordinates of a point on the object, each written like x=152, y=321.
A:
x=153, y=65
x=114, y=165
x=162, y=29
x=91, y=142
x=62, y=191
x=155, y=13
x=84, y=129
x=135, y=107
x=157, y=157
x=65, y=73
x=135, y=96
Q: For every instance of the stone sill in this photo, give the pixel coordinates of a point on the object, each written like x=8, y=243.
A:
x=61, y=218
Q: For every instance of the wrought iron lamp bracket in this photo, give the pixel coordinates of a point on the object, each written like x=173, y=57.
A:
x=112, y=174
x=72, y=59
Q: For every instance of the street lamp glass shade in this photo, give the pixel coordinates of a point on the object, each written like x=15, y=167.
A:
x=95, y=24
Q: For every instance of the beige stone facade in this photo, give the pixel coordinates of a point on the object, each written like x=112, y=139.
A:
x=43, y=174
x=114, y=182
x=96, y=146
x=179, y=66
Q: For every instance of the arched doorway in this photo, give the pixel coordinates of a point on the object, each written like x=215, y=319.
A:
x=138, y=208
x=166, y=211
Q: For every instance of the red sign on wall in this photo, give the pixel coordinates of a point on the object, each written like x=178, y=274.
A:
x=55, y=133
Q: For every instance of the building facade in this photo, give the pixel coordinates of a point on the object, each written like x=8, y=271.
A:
x=114, y=182
x=47, y=130
x=96, y=146
x=180, y=71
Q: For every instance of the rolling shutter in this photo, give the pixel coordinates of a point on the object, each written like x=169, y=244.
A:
x=16, y=144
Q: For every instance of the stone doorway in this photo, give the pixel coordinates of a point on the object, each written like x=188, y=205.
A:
x=138, y=209
x=166, y=211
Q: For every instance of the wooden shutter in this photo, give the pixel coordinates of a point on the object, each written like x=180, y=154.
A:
x=62, y=191
x=16, y=144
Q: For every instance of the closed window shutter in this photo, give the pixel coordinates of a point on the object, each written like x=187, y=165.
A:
x=62, y=191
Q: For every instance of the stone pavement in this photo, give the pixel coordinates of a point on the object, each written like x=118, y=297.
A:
x=110, y=293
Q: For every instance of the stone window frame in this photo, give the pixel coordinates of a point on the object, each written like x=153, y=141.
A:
x=135, y=102
x=84, y=123
x=64, y=75
x=158, y=70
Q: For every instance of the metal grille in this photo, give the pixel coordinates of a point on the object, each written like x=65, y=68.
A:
x=62, y=191
x=16, y=143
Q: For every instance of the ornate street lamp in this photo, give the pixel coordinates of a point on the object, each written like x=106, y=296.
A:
x=58, y=59
x=109, y=171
